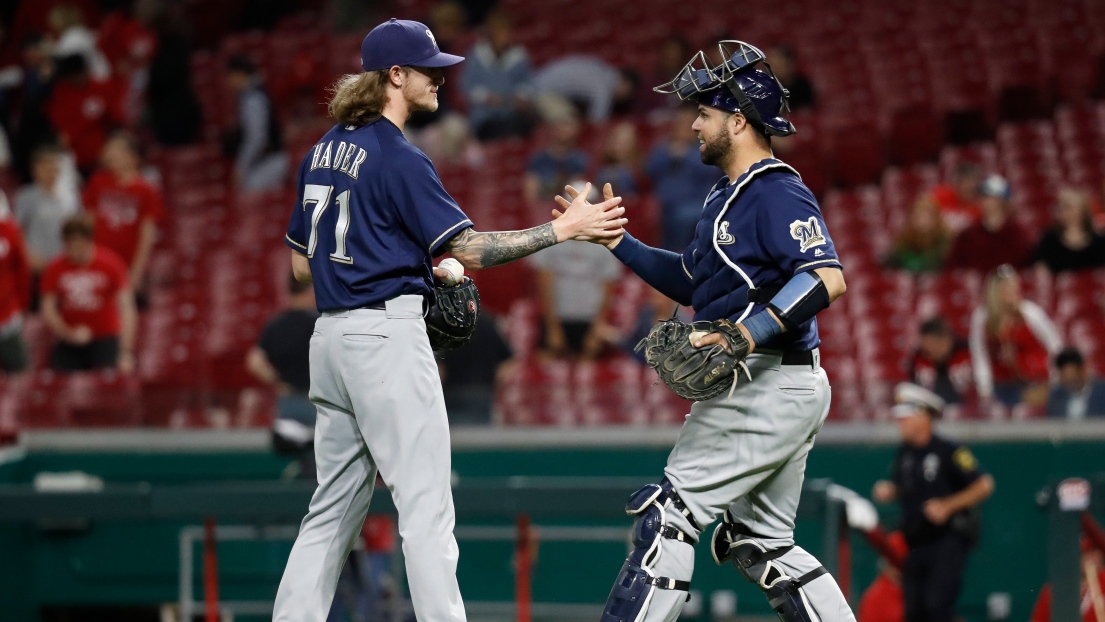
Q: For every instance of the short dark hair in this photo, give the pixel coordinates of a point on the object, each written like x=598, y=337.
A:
x=79, y=225
x=241, y=63
x=935, y=327
x=295, y=286
x=45, y=150
x=1069, y=356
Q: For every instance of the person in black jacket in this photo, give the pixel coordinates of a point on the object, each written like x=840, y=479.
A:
x=1071, y=243
x=939, y=485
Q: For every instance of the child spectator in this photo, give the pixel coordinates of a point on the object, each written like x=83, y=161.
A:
x=88, y=304
x=556, y=165
x=942, y=362
x=923, y=241
x=127, y=207
x=41, y=209
x=1078, y=393
x=1071, y=243
x=1012, y=341
x=996, y=239
x=15, y=289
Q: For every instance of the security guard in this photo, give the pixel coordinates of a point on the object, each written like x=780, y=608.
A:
x=939, y=485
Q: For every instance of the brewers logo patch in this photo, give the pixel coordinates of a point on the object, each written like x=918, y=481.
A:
x=808, y=233
x=965, y=460
x=723, y=235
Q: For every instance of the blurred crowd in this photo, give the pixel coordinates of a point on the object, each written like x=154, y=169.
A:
x=88, y=89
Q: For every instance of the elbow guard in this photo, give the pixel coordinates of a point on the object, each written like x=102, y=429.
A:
x=800, y=299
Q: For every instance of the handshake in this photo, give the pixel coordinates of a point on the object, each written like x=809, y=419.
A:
x=601, y=223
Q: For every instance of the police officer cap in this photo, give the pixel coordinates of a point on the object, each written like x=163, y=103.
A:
x=909, y=397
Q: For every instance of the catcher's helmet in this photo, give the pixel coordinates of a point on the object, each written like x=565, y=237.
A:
x=744, y=83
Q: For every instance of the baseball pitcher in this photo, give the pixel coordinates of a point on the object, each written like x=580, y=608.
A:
x=370, y=214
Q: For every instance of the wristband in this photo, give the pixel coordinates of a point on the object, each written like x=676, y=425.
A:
x=762, y=327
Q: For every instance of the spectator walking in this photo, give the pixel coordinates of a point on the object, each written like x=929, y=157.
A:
x=923, y=242
x=88, y=304
x=679, y=179
x=255, y=142
x=938, y=485
x=575, y=280
x=942, y=362
x=559, y=163
x=127, y=207
x=996, y=238
x=1011, y=341
x=1071, y=243
x=1078, y=393
x=15, y=294
x=41, y=207
x=497, y=80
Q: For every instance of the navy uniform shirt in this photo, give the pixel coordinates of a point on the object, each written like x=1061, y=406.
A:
x=758, y=232
x=937, y=470
x=371, y=213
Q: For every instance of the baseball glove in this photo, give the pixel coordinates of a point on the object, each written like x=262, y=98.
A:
x=695, y=373
x=452, y=318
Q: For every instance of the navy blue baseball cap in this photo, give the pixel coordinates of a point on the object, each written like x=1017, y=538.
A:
x=404, y=43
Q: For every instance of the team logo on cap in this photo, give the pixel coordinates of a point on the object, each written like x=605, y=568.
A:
x=431, y=36
x=808, y=233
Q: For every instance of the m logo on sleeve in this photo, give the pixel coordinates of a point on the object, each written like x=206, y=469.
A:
x=808, y=233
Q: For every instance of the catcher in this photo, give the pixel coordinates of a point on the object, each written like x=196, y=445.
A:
x=760, y=267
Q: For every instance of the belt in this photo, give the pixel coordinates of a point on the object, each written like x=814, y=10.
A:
x=379, y=306
x=796, y=357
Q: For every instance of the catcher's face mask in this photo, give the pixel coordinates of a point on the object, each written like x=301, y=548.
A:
x=743, y=83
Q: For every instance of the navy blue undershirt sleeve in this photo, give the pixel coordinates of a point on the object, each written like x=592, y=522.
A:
x=659, y=268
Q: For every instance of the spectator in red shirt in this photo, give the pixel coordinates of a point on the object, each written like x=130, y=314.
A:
x=83, y=110
x=88, y=304
x=996, y=238
x=15, y=288
x=1012, y=341
x=882, y=601
x=127, y=207
x=942, y=362
x=958, y=200
x=1092, y=588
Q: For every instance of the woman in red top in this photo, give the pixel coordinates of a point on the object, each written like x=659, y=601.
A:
x=88, y=304
x=1012, y=341
x=126, y=206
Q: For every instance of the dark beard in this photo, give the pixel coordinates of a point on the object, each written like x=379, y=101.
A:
x=717, y=150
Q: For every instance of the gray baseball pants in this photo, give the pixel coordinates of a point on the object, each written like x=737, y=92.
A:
x=375, y=384
x=747, y=454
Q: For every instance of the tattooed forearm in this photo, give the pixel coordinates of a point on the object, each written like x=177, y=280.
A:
x=483, y=250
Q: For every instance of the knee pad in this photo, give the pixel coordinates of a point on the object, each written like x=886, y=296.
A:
x=636, y=583
x=783, y=592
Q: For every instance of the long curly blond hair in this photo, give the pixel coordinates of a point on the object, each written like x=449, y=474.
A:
x=359, y=98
